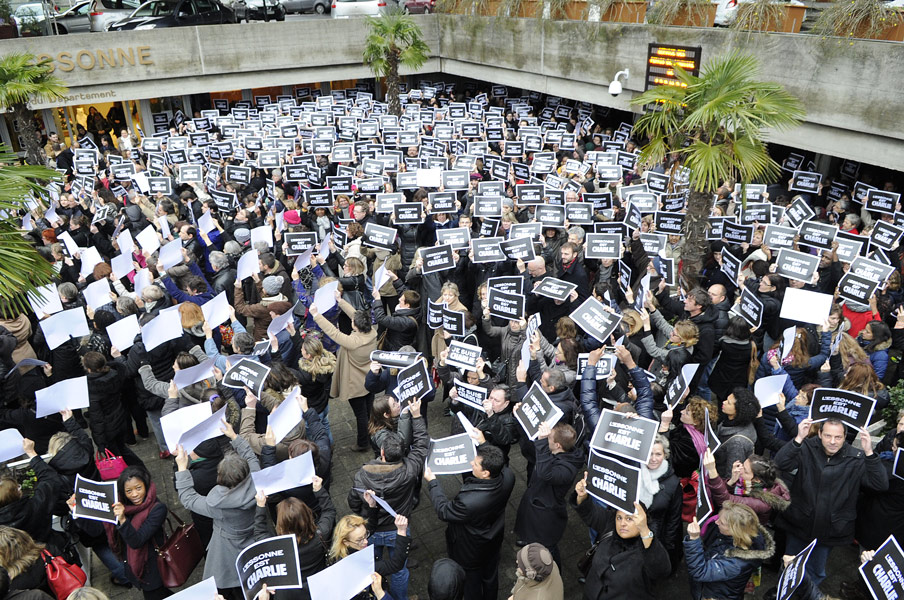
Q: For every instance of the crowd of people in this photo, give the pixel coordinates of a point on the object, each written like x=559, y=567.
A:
x=777, y=481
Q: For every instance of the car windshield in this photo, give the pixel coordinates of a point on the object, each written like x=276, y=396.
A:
x=29, y=10
x=156, y=8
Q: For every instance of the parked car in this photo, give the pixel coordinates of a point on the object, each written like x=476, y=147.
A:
x=343, y=9
x=727, y=10
x=106, y=12
x=74, y=20
x=29, y=15
x=302, y=6
x=416, y=7
x=259, y=10
x=175, y=13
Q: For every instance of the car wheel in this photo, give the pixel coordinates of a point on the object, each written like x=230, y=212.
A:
x=319, y=9
x=61, y=30
x=281, y=16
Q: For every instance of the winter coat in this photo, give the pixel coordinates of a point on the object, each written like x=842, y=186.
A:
x=732, y=368
x=800, y=375
x=500, y=429
x=722, y=318
x=76, y=457
x=38, y=430
x=32, y=514
x=353, y=360
x=542, y=515
x=315, y=385
x=312, y=553
x=764, y=502
x=20, y=327
x=395, y=482
x=150, y=534
x=106, y=415
x=550, y=588
x=620, y=568
x=260, y=311
x=475, y=518
x=878, y=357
x=237, y=523
x=824, y=491
x=161, y=361
x=717, y=569
x=315, y=433
x=737, y=444
x=664, y=512
x=705, y=321
x=880, y=514
x=400, y=327
x=510, y=348
x=684, y=457
x=224, y=281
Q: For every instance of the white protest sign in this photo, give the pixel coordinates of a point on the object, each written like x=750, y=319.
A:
x=97, y=294
x=45, y=300
x=122, y=333
x=216, y=310
x=325, y=296
x=262, y=234
x=69, y=393
x=171, y=254
x=285, y=417
x=186, y=377
x=10, y=444
x=286, y=475
x=62, y=326
x=345, y=579
x=248, y=265
x=806, y=306
x=166, y=326
x=767, y=389
x=122, y=265
x=147, y=239
x=178, y=422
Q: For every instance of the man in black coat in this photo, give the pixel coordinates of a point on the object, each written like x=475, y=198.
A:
x=573, y=271
x=697, y=308
x=401, y=326
x=830, y=473
x=476, y=520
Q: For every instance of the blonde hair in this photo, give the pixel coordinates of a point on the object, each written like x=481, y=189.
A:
x=631, y=318
x=321, y=361
x=741, y=522
x=18, y=551
x=57, y=442
x=355, y=265
x=450, y=287
x=344, y=528
x=850, y=351
x=688, y=332
x=87, y=593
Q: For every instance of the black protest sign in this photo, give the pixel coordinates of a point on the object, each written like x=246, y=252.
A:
x=793, y=574
x=273, y=562
x=442, y=202
x=669, y=222
x=94, y=500
x=849, y=246
x=511, y=284
x=451, y=455
x=554, y=288
x=522, y=248
x=488, y=207
x=386, y=202
x=735, y=233
x=817, y=235
x=435, y=314
x=464, y=356
x=731, y=265
x=612, y=482
x=667, y=269
x=414, y=382
x=898, y=468
x=455, y=180
x=603, y=368
x=804, y=181
x=600, y=200
x=487, y=250
x=712, y=440
x=704, y=506
x=885, y=235
x=653, y=243
x=535, y=409
x=550, y=215
x=595, y=320
x=603, y=245
x=856, y=288
x=438, y=258
x=505, y=305
x=408, y=213
x=750, y=308
x=322, y=197
x=454, y=322
x=796, y=265
x=799, y=212
x=160, y=185
x=779, y=236
x=472, y=395
x=753, y=192
x=379, y=236
x=579, y=213
x=882, y=201
x=628, y=437
x=673, y=202
x=657, y=182
x=247, y=373
x=793, y=161
x=679, y=385
x=870, y=269
x=529, y=193
x=756, y=212
x=849, y=407
x=238, y=174
x=299, y=243
x=884, y=574
x=716, y=227
x=396, y=360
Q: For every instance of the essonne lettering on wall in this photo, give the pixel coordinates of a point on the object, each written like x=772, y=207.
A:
x=111, y=58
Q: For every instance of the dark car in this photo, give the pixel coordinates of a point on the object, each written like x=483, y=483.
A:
x=419, y=6
x=175, y=13
x=302, y=6
x=259, y=10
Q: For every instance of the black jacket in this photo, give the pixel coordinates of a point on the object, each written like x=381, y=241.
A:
x=664, y=512
x=705, y=322
x=475, y=517
x=825, y=489
x=76, y=457
x=621, y=568
x=106, y=415
x=400, y=327
x=732, y=368
x=33, y=514
x=316, y=388
x=224, y=281
x=880, y=514
x=395, y=482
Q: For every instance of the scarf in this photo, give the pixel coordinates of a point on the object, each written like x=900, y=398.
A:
x=137, y=558
x=744, y=487
x=698, y=438
x=649, y=483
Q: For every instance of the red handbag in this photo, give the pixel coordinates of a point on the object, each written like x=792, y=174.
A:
x=179, y=554
x=110, y=466
x=62, y=577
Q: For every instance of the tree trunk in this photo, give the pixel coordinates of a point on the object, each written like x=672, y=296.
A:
x=699, y=205
x=29, y=135
x=392, y=83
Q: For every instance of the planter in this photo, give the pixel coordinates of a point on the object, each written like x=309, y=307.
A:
x=529, y=9
x=700, y=16
x=625, y=12
x=7, y=31
x=893, y=33
x=793, y=18
x=789, y=21
x=491, y=8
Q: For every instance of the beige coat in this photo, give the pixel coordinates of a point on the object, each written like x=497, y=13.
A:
x=353, y=360
x=21, y=328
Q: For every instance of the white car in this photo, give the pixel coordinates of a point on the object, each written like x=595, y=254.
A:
x=727, y=10
x=29, y=13
x=343, y=9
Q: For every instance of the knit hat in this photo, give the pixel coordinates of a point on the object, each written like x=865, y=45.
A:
x=535, y=561
x=292, y=217
x=242, y=235
x=272, y=284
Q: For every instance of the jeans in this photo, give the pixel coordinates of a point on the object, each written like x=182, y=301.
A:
x=362, y=406
x=325, y=419
x=154, y=418
x=816, y=564
x=398, y=581
x=117, y=568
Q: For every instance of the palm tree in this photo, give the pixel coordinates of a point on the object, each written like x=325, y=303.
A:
x=22, y=269
x=23, y=80
x=714, y=124
x=394, y=39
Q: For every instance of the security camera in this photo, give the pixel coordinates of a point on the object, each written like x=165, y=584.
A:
x=615, y=88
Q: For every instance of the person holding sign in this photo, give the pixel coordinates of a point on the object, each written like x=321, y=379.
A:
x=682, y=339
x=736, y=430
x=757, y=481
x=629, y=558
x=30, y=513
x=830, y=475
x=722, y=556
x=687, y=443
x=350, y=536
x=496, y=424
x=476, y=520
x=352, y=364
